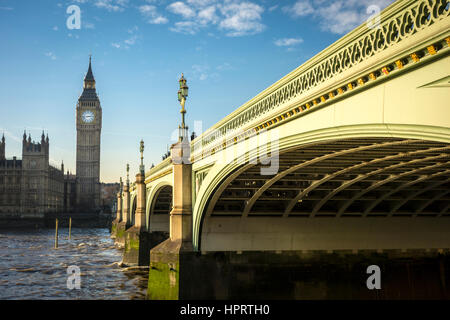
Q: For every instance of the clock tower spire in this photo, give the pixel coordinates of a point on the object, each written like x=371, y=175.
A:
x=89, y=125
x=89, y=81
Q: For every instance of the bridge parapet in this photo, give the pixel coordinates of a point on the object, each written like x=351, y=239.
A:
x=409, y=31
x=159, y=170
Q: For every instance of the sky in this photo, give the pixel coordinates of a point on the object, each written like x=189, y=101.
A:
x=228, y=50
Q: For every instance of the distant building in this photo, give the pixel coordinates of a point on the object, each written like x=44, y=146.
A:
x=70, y=192
x=108, y=196
x=30, y=186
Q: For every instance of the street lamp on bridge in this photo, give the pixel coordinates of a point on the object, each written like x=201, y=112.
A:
x=182, y=95
x=141, y=149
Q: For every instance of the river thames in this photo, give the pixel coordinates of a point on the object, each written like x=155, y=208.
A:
x=30, y=267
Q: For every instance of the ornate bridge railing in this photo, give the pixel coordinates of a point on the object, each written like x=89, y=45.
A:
x=367, y=54
x=161, y=169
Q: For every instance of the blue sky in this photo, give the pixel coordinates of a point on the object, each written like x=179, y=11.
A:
x=228, y=50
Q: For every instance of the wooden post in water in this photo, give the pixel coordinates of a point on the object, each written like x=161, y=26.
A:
x=70, y=226
x=56, y=235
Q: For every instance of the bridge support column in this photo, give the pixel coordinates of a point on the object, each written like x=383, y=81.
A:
x=137, y=250
x=171, y=261
x=125, y=223
x=115, y=222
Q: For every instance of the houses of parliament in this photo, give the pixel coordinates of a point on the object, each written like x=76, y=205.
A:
x=31, y=186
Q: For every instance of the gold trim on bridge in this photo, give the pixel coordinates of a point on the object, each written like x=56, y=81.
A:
x=392, y=68
x=162, y=174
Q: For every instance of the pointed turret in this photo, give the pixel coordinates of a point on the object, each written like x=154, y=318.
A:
x=2, y=147
x=89, y=81
x=89, y=75
x=24, y=135
x=42, y=137
x=89, y=92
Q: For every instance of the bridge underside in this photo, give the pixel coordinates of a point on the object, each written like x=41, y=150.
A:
x=160, y=210
x=357, y=194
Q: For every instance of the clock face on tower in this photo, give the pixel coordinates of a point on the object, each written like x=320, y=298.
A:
x=88, y=116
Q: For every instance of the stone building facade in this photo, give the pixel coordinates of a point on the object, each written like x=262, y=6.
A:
x=70, y=192
x=30, y=186
x=109, y=196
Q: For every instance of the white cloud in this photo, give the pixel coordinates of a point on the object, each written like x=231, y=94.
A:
x=6, y=8
x=55, y=28
x=181, y=9
x=151, y=14
x=11, y=135
x=340, y=19
x=339, y=16
x=133, y=29
x=201, y=3
x=288, y=42
x=131, y=41
x=202, y=73
x=235, y=17
x=300, y=9
x=186, y=27
x=159, y=20
x=88, y=25
x=242, y=18
x=224, y=66
x=111, y=5
x=51, y=55
x=208, y=15
x=343, y=16
x=125, y=44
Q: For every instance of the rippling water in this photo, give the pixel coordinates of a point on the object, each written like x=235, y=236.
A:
x=30, y=267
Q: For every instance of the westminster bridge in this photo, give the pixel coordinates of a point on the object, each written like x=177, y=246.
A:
x=346, y=156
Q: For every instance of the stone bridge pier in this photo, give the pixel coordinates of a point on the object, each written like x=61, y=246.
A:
x=172, y=262
x=123, y=207
x=118, y=219
x=136, y=250
x=133, y=232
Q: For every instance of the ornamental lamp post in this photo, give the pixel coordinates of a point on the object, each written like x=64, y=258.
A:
x=128, y=174
x=182, y=95
x=141, y=149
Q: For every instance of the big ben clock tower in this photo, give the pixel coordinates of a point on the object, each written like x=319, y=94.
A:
x=89, y=125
